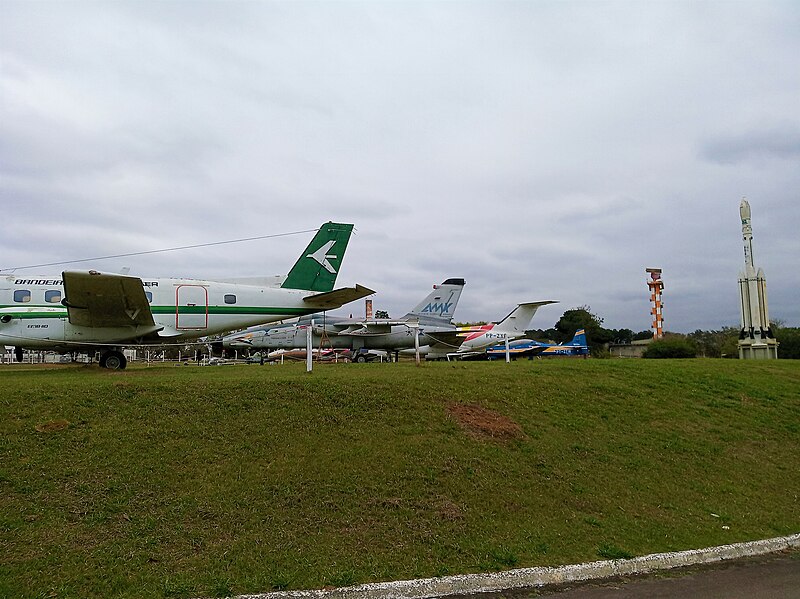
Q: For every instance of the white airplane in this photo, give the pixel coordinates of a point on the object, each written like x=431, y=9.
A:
x=92, y=311
x=434, y=313
x=472, y=340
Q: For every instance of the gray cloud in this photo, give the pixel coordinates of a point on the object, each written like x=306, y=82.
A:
x=774, y=143
x=541, y=150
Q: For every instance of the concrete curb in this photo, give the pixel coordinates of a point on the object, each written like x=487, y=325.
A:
x=539, y=576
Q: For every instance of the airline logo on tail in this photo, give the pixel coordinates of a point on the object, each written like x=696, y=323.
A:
x=440, y=308
x=322, y=256
x=440, y=304
x=318, y=266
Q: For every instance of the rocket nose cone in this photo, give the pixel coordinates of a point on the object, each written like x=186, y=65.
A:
x=744, y=209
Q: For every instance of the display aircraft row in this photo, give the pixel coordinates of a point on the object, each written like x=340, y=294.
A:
x=529, y=348
x=427, y=329
x=91, y=311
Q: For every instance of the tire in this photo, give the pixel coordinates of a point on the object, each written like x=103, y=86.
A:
x=361, y=359
x=113, y=360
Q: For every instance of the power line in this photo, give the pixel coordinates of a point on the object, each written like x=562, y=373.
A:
x=175, y=249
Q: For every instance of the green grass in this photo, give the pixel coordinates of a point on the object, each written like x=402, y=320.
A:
x=185, y=481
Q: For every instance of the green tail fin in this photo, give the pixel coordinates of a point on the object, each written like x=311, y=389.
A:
x=318, y=265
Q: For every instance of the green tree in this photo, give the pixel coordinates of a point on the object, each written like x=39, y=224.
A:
x=621, y=335
x=583, y=318
x=675, y=346
x=543, y=335
x=715, y=344
x=729, y=347
x=577, y=318
x=789, y=340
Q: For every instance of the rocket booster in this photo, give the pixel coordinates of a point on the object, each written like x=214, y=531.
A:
x=752, y=284
x=747, y=238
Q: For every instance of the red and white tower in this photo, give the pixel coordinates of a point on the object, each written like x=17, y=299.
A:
x=656, y=285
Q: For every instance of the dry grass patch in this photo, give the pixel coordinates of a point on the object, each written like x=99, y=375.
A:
x=482, y=423
x=52, y=426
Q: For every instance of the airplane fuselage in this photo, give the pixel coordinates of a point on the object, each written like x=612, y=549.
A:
x=476, y=340
x=398, y=337
x=32, y=316
x=528, y=347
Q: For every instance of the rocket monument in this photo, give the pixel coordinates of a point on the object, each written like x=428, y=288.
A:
x=756, y=340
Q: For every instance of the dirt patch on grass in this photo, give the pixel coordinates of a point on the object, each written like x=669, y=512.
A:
x=52, y=426
x=449, y=511
x=482, y=423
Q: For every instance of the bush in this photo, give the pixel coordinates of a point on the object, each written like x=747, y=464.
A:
x=671, y=347
x=789, y=343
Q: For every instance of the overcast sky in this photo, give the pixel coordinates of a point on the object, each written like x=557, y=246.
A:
x=541, y=150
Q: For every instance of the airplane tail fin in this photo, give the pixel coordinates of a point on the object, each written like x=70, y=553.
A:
x=440, y=304
x=519, y=318
x=318, y=265
x=579, y=339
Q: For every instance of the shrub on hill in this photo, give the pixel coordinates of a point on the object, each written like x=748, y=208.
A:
x=671, y=347
x=789, y=343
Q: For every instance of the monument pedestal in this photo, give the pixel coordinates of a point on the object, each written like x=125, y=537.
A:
x=758, y=349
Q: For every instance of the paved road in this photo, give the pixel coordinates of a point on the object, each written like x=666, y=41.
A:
x=776, y=576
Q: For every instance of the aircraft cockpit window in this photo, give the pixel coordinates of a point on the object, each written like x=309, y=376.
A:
x=149, y=296
x=22, y=296
x=230, y=298
x=52, y=296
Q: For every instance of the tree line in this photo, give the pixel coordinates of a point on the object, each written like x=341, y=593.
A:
x=719, y=343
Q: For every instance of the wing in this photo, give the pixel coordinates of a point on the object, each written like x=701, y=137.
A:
x=367, y=328
x=337, y=297
x=96, y=299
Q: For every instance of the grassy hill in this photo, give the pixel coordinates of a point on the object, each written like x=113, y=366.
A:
x=186, y=481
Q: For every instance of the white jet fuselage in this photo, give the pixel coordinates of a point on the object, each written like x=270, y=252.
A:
x=31, y=314
x=395, y=337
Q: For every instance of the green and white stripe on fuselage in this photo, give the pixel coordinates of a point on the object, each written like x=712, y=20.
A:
x=82, y=310
x=182, y=309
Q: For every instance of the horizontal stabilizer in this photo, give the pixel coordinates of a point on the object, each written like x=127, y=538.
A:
x=448, y=339
x=338, y=297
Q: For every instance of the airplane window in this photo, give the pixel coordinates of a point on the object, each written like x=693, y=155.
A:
x=52, y=296
x=230, y=298
x=149, y=295
x=22, y=295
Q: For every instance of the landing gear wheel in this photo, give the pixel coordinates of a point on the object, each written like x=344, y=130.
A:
x=113, y=360
x=18, y=354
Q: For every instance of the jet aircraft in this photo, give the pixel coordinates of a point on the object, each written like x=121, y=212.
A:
x=92, y=311
x=432, y=314
x=530, y=348
x=473, y=340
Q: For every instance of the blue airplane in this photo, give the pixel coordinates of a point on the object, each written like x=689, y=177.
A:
x=529, y=348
